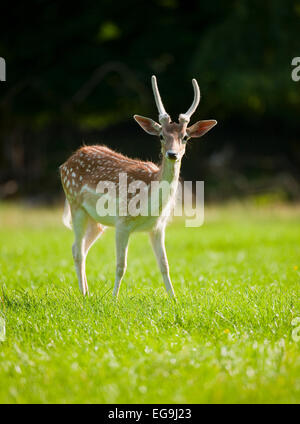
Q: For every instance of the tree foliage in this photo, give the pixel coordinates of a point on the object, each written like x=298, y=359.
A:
x=88, y=67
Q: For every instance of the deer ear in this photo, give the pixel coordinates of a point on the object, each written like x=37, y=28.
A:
x=148, y=125
x=200, y=128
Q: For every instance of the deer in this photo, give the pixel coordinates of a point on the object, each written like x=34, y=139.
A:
x=92, y=164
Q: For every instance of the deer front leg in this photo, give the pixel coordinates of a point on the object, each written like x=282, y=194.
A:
x=122, y=237
x=157, y=238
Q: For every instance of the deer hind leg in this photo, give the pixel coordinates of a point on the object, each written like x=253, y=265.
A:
x=93, y=232
x=158, y=243
x=122, y=237
x=80, y=222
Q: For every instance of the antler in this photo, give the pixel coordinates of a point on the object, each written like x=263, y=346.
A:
x=163, y=116
x=185, y=117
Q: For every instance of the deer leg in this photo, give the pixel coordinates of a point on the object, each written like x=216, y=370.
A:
x=80, y=220
x=121, y=258
x=158, y=243
x=93, y=232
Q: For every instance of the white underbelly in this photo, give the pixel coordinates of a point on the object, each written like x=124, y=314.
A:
x=93, y=205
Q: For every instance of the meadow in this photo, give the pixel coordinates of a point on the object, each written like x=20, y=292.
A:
x=228, y=339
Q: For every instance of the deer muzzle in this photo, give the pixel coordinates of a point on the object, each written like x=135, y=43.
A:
x=172, y=155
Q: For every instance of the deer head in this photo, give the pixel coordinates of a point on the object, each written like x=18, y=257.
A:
x=174, y=136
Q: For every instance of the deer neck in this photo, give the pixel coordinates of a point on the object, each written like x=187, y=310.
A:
x=169, y=171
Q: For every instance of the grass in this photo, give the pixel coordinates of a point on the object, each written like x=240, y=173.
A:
x=228, y=338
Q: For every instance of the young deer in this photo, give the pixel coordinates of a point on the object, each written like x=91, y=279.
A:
x=89, y=165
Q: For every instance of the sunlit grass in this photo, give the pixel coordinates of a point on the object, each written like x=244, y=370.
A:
x=227, y=339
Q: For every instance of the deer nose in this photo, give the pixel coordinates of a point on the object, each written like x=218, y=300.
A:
x=172, y=155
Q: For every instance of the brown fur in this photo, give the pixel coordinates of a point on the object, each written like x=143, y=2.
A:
x=91, y=164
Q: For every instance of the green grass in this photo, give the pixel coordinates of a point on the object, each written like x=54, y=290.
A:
x=227, y=339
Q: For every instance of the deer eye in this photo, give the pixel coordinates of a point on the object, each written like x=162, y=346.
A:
x=161, y=137
x=185, y=138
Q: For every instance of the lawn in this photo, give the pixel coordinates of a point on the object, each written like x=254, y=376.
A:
x=228, y=338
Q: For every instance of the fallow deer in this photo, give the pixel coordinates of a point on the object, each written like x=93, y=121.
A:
x=89, y=165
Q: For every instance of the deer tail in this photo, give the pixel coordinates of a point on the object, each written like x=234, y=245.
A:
x=67, y=218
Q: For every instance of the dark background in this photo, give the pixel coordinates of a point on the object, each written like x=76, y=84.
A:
x=77, y=72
